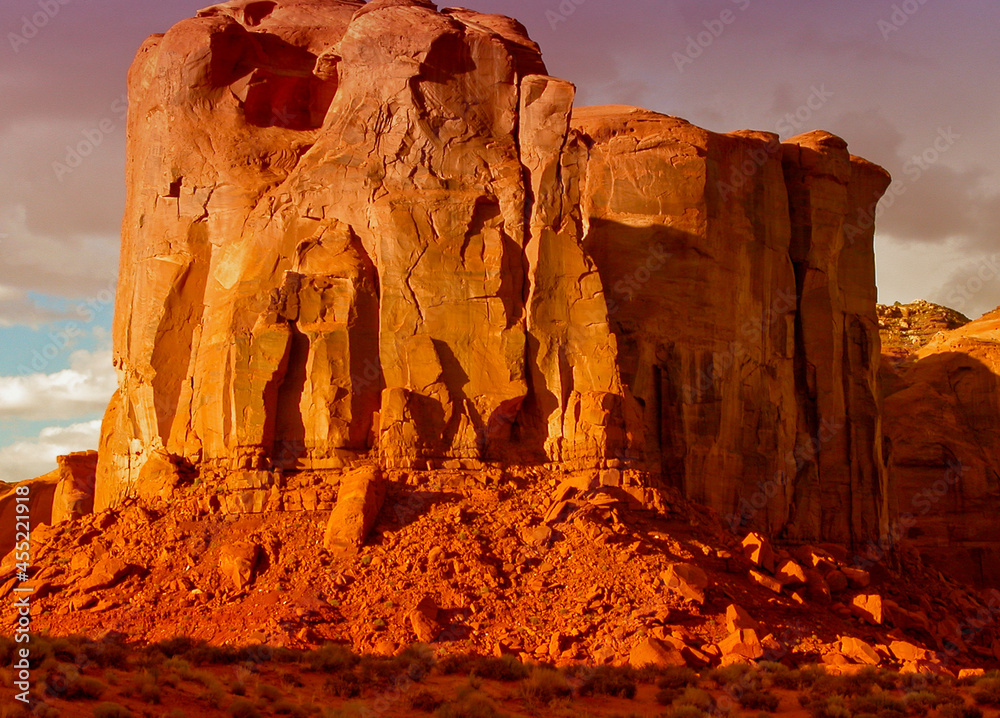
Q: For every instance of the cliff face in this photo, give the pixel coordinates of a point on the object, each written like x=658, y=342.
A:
x=380, y=230
x=941, y=423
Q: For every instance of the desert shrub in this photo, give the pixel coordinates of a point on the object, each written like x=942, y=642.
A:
x=207, y=654
x=331, y=657
x=685, y=712
x=986, y=692
x=379, y=671
x=145, y=687
x=179, y=667
x=735, y=674
x=470, y=705
x=666, y=696
x=269, y=693
x=177, y=646
x=676, y=677
x=13, y=710
x=107, y=653
x=351, y=710
x=925, y=681
x=214, y=694
x=615, y=681
x=544, y=685
x=242, y=708
x=832, y=706
x=954, y=710
x=778, y=674
x=418, y=658
x=83, y=688
x=8, y=650
x=878, y=704
x=424, y=700
x=810, y=674
x=111, y=710
x=504, y=668
x=856, y=684
x=919, y=703
x=696, y=697
x=288, y=708
x=759, y=700
x=344, y=684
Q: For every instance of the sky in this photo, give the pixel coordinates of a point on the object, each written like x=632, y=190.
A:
x=911, y=85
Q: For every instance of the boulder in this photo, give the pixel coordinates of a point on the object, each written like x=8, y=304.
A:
x=686, y=580
x=857, y=651
x=768, y=582
x=789, y=573
x=424, y=620
x=743, y=643
x=108, y=572
x=907, y=652
x=856, y=577
x=359, y=500
x=653, y=652
x=868, y=607
x=758, y=551
x=837, y=581
x=816, y=586
x=238, y=563
x=738, y=619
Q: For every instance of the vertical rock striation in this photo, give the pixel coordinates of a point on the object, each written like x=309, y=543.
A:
x=381, y=230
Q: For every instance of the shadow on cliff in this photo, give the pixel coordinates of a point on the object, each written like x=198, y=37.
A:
x=941, y=423
x=655, y=283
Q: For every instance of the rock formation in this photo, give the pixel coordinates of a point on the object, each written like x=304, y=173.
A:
x=942, y=425
x=60, y=495
x=381, y=231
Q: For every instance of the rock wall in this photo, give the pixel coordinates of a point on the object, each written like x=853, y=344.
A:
x=382, y=230
x=942, y=426
x=60, y=495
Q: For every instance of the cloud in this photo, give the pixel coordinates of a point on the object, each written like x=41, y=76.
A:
x=74, y=266
x=18, y=309
x=34, y=457
x=83, y=389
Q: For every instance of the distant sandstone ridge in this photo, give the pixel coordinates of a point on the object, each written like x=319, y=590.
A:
x=942, y=427
x=381, y=232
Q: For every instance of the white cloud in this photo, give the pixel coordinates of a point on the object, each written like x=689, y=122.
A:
x=17, y=309
x=34, y=457
x=83, y=389
x=77, y=266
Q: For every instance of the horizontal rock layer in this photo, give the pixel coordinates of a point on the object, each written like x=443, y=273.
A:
x=382, y=230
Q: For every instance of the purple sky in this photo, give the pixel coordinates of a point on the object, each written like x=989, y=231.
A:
x=910, y=85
